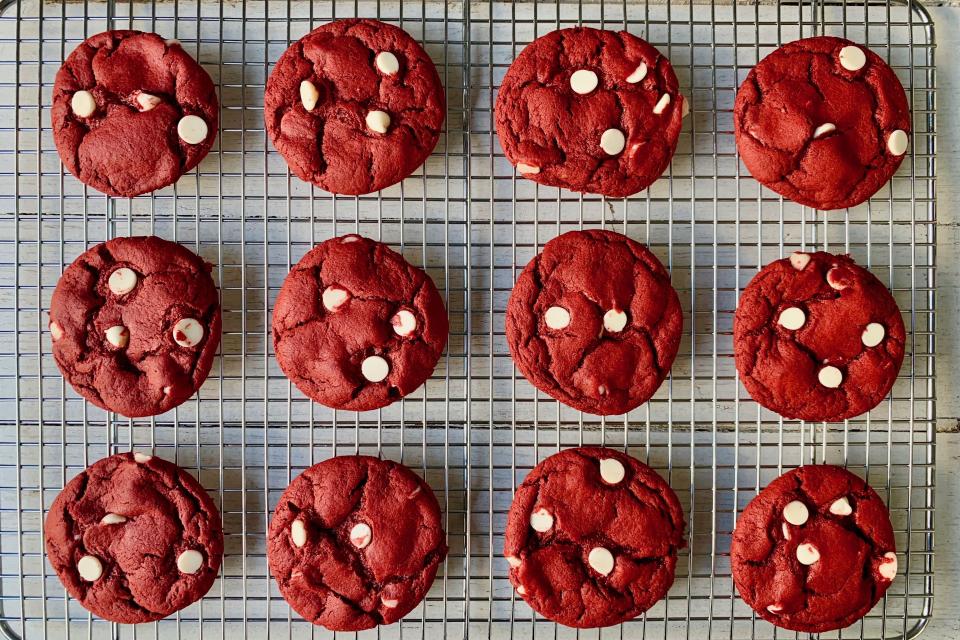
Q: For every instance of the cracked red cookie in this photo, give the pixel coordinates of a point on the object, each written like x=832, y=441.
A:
x=817, y=337
x=135, y=323
x=814, y=551
x=134, y=538
x=355, y=541
x=822, y=121
x=593, y=322
x=356, y=326
x=592, y=537
x=590, y=110
x=132, y=112
x=354, y=106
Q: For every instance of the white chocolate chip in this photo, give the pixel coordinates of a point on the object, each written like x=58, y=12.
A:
x=612, y=141
x=122, y=281
x=834, y=281
x=807, y=554
x=118, y=336
x=638, y=74
x=541, y=520
x=190, y=561
x=830, y=377
x=404, y=322
x=774, y=608
x=888, y=566
x=192, y=129
x=147, y=101
x=897, y=142
x=521, y=590
x=334, y=297
x=601, y=560
x=112, y=518
x=172, y=41
x=602, y=390
x=527, y=168
x=360, y=535
x=513, y=561
x=612, y=471
x=792, y=318
x=83, y=104
x=378, y=121
x=56, y=331
x=662, y=104
x=824, y=129
x=350, y=238
x=786, y=530
x=387, y=63
x=684, y=106
x=142, y=457
x=166, y=390
x=873, y=334
x=583, y=81
x=796, y=513
x=298, y=532
x=614, y=321
x=90, y=568
x=799, y=260
x=557, y=318
x=308, y=95
x=852, y=58
x=389, y=603
x=188, y=332
x=374, y=368
x=841, y=507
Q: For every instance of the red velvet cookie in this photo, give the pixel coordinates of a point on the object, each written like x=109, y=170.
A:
x=594, y=322
x=135, y=323
x=822, y=121
x=355, y=542
x=134, y=538
x=817, y=337
x=354, y=106
x=132, y=112
x=814, y=551
x=590, y=110
x=356, y=326
x=592, y=537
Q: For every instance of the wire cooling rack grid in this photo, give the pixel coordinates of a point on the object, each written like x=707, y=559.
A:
x=475, y=429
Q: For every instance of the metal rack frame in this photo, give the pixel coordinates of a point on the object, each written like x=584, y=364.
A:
x=477, y=427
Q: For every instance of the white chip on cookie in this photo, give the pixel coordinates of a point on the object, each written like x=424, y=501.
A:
x=56, y=331
x=90, y=568
x=583, y=81
x=192, y=129
x=774, y=608
x=557, y=318
x=122, y=281
x=334, y=297
x=541, y=520
x=830, y=377
x=523, y=167
x=614, y=320
x=638, y=74
x=873, y=334
x=514, y=561
x=309, y=95
x=796, y=513
x=298, y=532
x=888, y=566
x=661, y=104
x=390, y=603
x=404, y=323
x=785, y=528
x=897, y=142
x=360, y=535
x=799, y=260
x=147, y=101
x=612, y=141
x=792, y=318
x=190, y=561
x=375, y=368
x=82, y=104
x=834, y=280
x=188, y=332
x=601, y=560
x=612, y=471
x=808, y=554
x=824, y=129
x=118, y=336
x=841, y=507
x=387, y=63
x=378, y=121
x=852, y=58
x=112, y=518
x=142, y=457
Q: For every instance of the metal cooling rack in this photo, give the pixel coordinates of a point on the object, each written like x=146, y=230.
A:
x=476, y=428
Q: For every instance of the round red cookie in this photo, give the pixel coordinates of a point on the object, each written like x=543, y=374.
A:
x=814, y=551
x=817, y=337
x=356, y=326
x=590, y=110
x=354, y=106
x=822, y=121
x=132, y=112
x=592, y=537
x=134, y=538
x=135, y=323
x=594, y=322
x=355, y=541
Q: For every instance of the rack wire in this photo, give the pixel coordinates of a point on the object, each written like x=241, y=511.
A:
x=476, y=428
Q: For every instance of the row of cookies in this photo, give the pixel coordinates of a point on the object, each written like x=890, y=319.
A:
x=592, y=321
x=591, y=540
x=357, y=105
